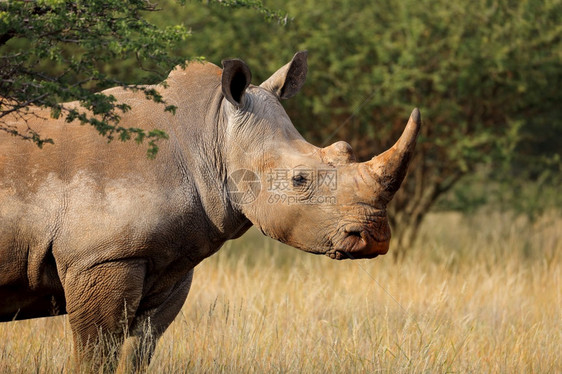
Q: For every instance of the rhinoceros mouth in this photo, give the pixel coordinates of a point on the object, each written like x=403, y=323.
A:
x=360, y=243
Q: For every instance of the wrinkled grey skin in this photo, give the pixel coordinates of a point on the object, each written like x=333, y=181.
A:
x=98, y=231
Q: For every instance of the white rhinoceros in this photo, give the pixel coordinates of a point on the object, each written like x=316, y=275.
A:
x=100, y=232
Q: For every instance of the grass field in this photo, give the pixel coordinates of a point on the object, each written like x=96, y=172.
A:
x=476, y=295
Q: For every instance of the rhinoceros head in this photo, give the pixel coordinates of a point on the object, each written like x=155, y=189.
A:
x=317, y=199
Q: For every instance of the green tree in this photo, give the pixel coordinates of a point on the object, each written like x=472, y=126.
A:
x=53, y=51
x=485, y=74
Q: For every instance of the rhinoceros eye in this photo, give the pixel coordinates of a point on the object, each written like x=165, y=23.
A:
x=299, y=180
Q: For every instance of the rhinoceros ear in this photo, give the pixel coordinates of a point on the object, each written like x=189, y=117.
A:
x=236, y=77
x=288, y=80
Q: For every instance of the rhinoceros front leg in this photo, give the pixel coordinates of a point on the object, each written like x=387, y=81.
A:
x=150, y=324
x=101, y=303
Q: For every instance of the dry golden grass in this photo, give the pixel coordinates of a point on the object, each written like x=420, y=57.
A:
x=476, y=295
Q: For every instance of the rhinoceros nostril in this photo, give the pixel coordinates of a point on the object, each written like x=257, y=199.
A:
x=354, y=233
x=355, y=240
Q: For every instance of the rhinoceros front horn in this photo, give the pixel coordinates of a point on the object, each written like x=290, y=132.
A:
x=389, y=168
